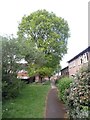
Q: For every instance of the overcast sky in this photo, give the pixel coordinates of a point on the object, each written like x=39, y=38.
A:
x=74, y=11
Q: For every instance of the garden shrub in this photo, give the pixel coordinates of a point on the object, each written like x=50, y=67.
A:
x=78, y=103
x=11, y=90
x=63, y=85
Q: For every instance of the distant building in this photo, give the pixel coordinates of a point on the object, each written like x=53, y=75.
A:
x=78, y=61
x=65, y=71
x=22, y=74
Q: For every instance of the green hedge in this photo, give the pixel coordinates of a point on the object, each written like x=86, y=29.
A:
x=63, y=85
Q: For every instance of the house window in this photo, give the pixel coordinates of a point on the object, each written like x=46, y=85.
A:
x=87, y=56
x=84, y=58
x=81, y=61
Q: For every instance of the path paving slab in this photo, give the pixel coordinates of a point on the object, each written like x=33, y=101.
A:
x=54, y=107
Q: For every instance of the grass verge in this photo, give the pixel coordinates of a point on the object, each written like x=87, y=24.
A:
x=30, y=103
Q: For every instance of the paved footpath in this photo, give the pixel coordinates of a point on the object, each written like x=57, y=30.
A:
x=54, y=107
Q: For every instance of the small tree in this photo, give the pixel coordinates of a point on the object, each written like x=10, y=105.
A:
x=10, y=56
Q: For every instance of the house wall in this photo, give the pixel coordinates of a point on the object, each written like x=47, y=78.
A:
x=89, y=56
x=76, y=64
x=65, y=72
x=38, y=79
x=22, y=74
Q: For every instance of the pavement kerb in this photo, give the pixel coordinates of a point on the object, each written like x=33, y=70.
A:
x=46, y=104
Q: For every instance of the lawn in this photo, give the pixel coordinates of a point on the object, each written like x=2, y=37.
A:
x=29, y=104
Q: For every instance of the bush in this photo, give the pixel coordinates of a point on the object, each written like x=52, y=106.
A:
x=11, y=90
x=78, y=98
x=63, y=85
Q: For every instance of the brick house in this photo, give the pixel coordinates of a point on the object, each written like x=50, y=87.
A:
x=64, y=71
x=78, y=61
x=22, y=74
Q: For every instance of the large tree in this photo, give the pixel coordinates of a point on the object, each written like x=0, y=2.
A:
x=49, y=32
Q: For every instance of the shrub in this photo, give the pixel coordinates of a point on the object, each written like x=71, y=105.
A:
x=78, y=100
x=11, y=90
x=63, y=85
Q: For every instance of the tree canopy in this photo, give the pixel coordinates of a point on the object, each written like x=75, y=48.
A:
x=49, y=33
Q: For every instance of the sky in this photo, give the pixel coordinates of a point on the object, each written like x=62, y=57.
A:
x=75, y=12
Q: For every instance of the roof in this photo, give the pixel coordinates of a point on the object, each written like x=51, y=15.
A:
x=22, y=71
x=23, y=77
x=64, y=68
x=81, y=53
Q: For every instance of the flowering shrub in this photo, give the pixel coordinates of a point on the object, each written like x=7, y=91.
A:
x=78, y=96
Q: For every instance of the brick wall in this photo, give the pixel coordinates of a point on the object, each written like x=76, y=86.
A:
x=76, y=64
x=22, y=74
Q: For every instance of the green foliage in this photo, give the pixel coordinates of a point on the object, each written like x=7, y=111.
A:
x=29, y=51
x=78, y=97
x=34, y=57
x=34, y=69
x=11, y=90
x=63, y=85
x=10, y=56
x=45, y=71
x=49, y=33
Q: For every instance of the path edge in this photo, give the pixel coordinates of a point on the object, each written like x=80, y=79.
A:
x=65, y=116
x=45, y=109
